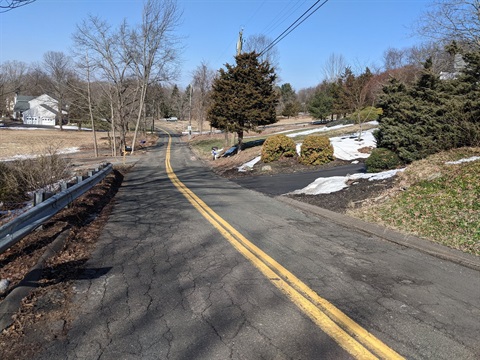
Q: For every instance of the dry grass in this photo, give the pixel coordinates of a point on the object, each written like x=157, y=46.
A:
x=32, y=142
x=435, y=200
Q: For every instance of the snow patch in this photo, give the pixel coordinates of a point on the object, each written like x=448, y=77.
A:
x=322, y=129
x=461, y=161
x=249, y=165
x=336, y=183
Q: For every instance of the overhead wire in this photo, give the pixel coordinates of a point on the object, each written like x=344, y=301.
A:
x=293, y=26
x=282, y=16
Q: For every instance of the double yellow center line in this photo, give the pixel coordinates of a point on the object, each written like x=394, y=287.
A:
x=349, y=335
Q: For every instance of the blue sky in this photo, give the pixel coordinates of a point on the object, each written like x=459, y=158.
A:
x=359, y=30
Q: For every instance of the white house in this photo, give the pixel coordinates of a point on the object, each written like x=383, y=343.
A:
x=41, y=110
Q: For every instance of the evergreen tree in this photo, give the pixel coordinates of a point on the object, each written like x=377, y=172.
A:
x=321, y=104
x=243, y=96
x=176, y=102
x=291, y=109
x=432, y=115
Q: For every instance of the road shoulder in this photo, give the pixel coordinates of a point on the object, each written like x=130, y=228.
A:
x=410, y=241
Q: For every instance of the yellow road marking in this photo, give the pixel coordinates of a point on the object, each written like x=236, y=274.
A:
x=347, y=333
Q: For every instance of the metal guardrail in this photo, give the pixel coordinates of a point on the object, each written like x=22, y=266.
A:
x=15, y=230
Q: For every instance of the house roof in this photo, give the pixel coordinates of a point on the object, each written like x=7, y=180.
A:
x=49, y=108
x=22, y=103
x=25, y=98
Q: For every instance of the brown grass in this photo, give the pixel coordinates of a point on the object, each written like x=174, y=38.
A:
x=34, y=142
x=30, y=142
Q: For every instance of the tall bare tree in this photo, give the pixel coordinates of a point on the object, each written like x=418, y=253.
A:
x=12, y=80
x=258, y=43
x=449, y=20
x=394, y=58
x=112, y=62
x=333, y=67
x=154, y=48
x=7, y=5
x=202, y=85
x=58, y=68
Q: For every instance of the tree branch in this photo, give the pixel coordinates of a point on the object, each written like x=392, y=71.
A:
x=7, y=5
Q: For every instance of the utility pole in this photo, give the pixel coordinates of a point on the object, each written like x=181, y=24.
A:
x=240, y=42
x=239, y=51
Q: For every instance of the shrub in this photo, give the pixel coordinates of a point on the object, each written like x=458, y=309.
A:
x=11, y=185
x=316, y=150
x=278, y=146
x=369, y=113
x=18, y=178
x=382, y=159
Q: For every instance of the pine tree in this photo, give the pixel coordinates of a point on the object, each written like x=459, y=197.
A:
x=243, y=96
x=321, y=105
x=431, y=115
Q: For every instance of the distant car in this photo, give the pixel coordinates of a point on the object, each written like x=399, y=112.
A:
x=172, y=118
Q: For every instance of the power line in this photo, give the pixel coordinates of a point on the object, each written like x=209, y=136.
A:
x=293, y=26
x=283, y=15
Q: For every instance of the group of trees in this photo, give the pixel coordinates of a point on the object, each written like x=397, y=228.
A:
x=120, y=75
x=431, y=115
x=115, y=75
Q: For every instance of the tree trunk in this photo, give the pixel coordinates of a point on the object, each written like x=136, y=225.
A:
x=143, y=94
x=60, y=117
x=240, y=140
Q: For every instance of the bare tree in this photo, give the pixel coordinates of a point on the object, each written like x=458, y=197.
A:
x=394, y=58
x=154, y=48
x=202, y=84
x=58, y=68
x=83, y=93
x=112, y=63
x=358, y=93
x=441, y=59
x=12, y=80
x=7, y=5
x=449, y=20
x=333, y=67
x=258, y=43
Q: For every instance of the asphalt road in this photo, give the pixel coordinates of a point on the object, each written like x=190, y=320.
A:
x=166, y=284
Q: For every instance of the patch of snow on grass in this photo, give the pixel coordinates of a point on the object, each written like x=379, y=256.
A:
x=24, y=157
x=346, y=147
x=322, y=129
x=474, y=158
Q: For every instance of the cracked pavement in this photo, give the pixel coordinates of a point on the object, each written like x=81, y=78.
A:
x=176, y=289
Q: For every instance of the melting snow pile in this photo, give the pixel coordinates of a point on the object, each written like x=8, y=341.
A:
x=337, y=183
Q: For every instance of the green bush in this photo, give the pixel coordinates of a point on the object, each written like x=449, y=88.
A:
x=278, y=146
x=382, y=159
x=316, y=150
x=369, y=113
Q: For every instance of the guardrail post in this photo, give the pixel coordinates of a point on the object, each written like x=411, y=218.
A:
x=39, y=198
x=63, y=186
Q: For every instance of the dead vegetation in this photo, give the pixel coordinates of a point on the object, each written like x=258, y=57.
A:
x=44, y=314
